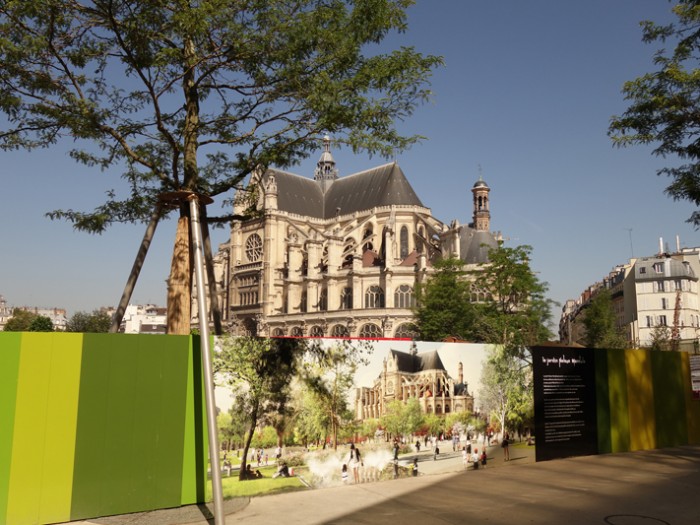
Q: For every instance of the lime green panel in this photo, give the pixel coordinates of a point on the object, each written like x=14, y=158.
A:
x=44, y=432
x=9, y=372
x=619, y=414
x=669, y=399
x=640, y=393
x=692, y=405
x=131, y=424
x=196, y=450
x=602, y=401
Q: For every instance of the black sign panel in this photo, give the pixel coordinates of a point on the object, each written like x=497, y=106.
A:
x=565, y=402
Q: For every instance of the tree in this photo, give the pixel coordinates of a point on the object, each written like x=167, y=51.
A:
x=26, y=321
x=505, y=394
x=260, y=371
x=516, y=312
x=660, y=338
x=329, y=377
x=194, y=96
x=96, y=322
x=444, y=308
x=402, y=419
x=664, y=105
x=599, y=320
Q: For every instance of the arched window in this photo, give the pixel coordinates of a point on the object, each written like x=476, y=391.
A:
x=367, y=239
x=253, y=247
x=278, y=332
x=374, y=297
x=406, y=331
x=340, y=330
x=302, y=305
x=348, y=252
x=250, y=327
x=346, y=298
x=438, y=409
x=404, y=297
x=297, y=332
x=370, y=331
x=316, y=331
x=323, y=300
x=404, y=242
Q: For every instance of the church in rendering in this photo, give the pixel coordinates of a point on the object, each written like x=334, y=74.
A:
x=333, y=256
x=413, y=375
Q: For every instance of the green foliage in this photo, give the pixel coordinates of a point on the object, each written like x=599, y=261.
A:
x=444, y=308
x=663, y=105
x=259, y=370
x=506, y=393
x=26, y=321
x=96, y=322
x=402, y=419
x=266, y=437
x=196, y=95
x=661, y=338
x=517, y=314
x=433, y=423
x=599, y=320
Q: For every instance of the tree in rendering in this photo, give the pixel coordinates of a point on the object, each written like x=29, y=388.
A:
x=26, y=321
x=599, y=320
x=195, y=95
x=96, y=322
x=664, y=104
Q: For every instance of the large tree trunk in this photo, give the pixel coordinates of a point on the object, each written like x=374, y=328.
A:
x=180, y=281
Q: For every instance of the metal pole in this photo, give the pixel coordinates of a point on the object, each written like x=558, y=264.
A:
x=196, y=229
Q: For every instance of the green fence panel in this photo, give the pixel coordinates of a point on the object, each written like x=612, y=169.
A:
x=602, y=401
x=131, y=424
x=10, y=344
x=619, y=416
x=669, y=399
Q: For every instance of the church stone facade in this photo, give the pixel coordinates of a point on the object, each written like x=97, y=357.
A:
x=412, y=375
x=339, y=256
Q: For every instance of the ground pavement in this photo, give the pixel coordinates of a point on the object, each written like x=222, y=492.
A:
x=658, y=487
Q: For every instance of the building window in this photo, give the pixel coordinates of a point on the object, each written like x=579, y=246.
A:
x=346, y=298
x=404, y=242
x=374, y=297
x=403, y=297
x=367, y=239
x=642, y=270
x=323, y=300
x=348, y=252
x=659, y=267
x=302, y=306
x=659, y=286
x=370, y=331
x=278, y=332
x=297, y=332
x=340, y=330
x=662, y=320
x=664, y=303
x=253, y=247
x=406, y=331
x=650, y=321
x=316, y=331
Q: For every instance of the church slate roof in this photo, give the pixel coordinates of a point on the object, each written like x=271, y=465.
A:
x=381, y=186
x=413, y=363
x=474, y=245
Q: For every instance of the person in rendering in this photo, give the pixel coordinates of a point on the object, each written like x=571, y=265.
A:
x=396, y=450
x=354, y=460
x=344, y=474
x=475, y=459
x=415, y=466
x=504, y=445
x=282, y=471
x=483, y=458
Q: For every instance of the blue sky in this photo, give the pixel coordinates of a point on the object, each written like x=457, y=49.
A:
x=526, y=94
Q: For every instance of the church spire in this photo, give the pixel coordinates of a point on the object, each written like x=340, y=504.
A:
x=326, y=172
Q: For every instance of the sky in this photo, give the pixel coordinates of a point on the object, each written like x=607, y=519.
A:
x=524, y=101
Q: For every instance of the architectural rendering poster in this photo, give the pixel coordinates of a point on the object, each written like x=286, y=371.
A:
x=695, y=375
x=444, y=376
x=565, y=402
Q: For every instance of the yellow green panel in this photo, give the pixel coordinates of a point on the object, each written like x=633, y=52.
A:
x=640, y=394
x=692, y=405
x=44, y=433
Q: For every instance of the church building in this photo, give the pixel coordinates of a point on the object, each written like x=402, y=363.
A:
x=339, y=256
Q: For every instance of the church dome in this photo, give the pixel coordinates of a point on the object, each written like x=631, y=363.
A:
x=480, y=184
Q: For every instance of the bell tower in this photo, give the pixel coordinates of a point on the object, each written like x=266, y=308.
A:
x=326, y=172
x=482, y=215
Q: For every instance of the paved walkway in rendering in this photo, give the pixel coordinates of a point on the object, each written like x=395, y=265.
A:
x=659, y=487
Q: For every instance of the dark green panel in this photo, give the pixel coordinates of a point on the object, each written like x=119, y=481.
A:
x=619, y=411
x=669, y=399
x=602, y=401
x=10, y=344
x=139, y=423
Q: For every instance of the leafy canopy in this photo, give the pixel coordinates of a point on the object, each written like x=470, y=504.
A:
x=663, y=105
x=195, y=95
